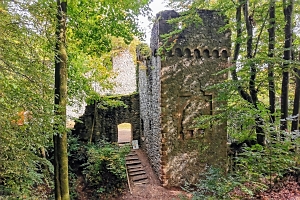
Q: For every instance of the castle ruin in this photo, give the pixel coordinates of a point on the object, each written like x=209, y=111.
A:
x=173, y=90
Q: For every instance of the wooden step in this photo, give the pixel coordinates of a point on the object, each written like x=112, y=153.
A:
x=131, y=158
x=141, y=182
x=139, y=177
x=124, y=143
x=132, y=153
x=140, y=172
x=135, y=169
x=133, y=162
x=135, y=166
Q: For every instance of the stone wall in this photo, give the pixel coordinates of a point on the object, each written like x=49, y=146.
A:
x=174, y=92
x=149, y=90
x=102, y=123
x=125, y=67
x=174, y=89
x=125, y=82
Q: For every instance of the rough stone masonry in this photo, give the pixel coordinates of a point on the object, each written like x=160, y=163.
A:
x=173, y=91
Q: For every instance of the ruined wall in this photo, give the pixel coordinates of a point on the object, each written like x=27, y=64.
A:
x=125, y=82
x=125, y=67
x=149, y=90
x=107, y=120
x=177, y=88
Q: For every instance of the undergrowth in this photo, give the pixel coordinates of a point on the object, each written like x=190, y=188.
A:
x=101, y=164
x=257, y=168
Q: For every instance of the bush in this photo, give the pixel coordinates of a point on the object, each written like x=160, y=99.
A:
x=105, y=169
x=214, y=185
x=257, y=168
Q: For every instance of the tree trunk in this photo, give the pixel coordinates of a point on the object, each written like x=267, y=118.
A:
x=60, y=139
x=288, y=12
x=295, y=122
x=271, y=30
x=252, y=97
x=260, y=135
x=237, y=47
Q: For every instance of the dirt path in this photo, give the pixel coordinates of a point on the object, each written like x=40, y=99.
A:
x=153, y=190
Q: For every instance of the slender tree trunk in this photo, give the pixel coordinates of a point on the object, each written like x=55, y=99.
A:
x=260, y=135
x=288, y=12
x=60, y=139
x=271, y=30
x=295, y=122
x=252, y=97
x=237, y=47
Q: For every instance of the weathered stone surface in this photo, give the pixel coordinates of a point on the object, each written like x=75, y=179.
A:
x=104, y=125
x=124, y=68
x=174, y=92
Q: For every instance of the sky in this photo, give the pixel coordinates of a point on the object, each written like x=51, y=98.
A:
x=156, y=6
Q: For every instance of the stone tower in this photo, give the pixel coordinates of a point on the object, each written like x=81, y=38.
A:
x=173, y=91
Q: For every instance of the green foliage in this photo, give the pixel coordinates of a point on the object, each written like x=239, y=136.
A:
x=105, y=169
x=26, y=98
x=105, y=102
x=92, y=26
x=95, y=35
x=144, y=50
x=266, y=164
x=214, y=185
x=256, y=169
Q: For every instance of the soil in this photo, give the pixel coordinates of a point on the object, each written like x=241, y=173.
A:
x=150, y=191
x=153, y=190
x=287, y=189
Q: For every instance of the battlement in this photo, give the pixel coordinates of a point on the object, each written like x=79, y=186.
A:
x=174, y=92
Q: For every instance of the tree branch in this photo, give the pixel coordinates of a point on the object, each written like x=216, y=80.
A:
x=237, y=47
x=259, y=35
x=253, y=71
x=14, y=70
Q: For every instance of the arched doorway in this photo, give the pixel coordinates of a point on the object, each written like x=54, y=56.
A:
x=124, y=133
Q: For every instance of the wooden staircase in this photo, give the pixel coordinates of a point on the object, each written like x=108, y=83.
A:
x=136, y=172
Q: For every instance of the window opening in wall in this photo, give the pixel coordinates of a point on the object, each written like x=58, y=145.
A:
x=155, y=53
x=142, y=124
x=178, y=52
x=224, y=54
x=124, y=133
x=206, y=53
x=197, y=53
x=187, y=53
x=150, y=124
x=215, y=53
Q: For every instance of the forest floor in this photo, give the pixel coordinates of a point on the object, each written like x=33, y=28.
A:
x=286, y=189
x=152, y=190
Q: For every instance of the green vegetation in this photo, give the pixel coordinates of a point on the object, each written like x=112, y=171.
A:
x=49, y=57
x=262, y=95
x=36, y=38
x=105, y=169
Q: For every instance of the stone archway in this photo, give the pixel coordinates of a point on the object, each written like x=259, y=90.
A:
x=102, y=123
